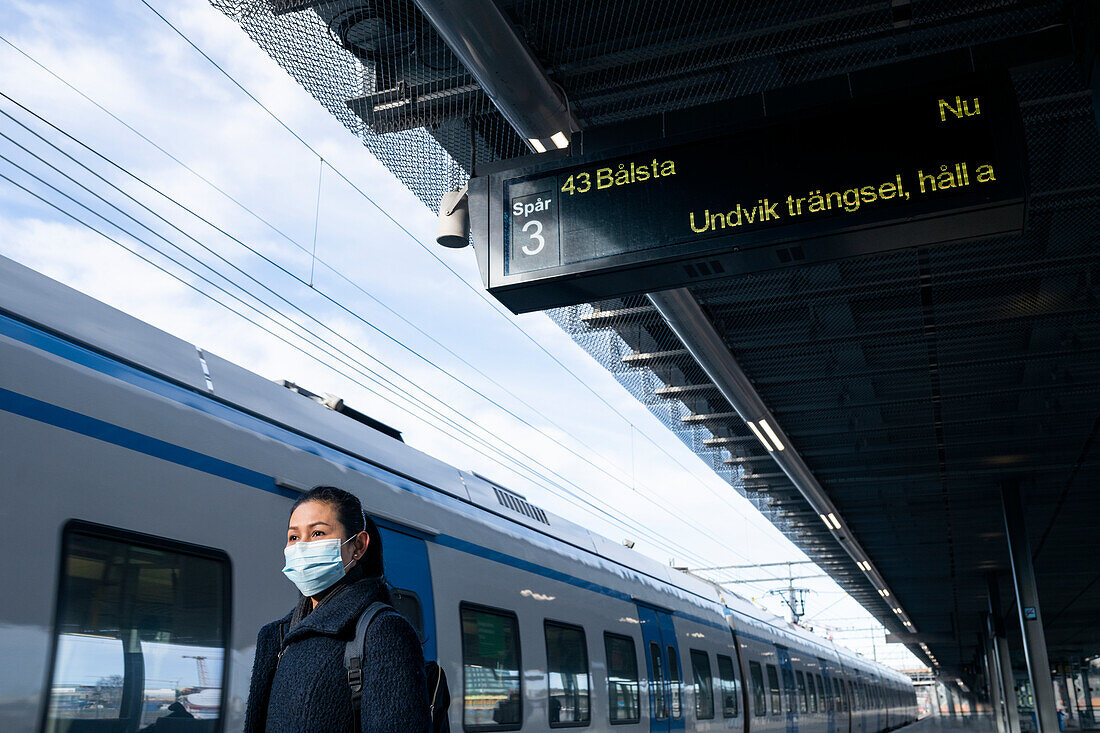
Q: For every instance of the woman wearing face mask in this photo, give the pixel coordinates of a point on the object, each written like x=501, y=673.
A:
x=299, y=682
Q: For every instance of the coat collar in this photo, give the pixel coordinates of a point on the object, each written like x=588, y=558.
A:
x=337, y=614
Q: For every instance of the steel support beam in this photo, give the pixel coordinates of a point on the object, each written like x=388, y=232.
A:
x=1027, y=606
x=683, y=315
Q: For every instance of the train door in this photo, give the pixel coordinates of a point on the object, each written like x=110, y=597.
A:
x=786, y=671
x=662, y=655
x=408, y=572
x=828, y=699
x=858, y=703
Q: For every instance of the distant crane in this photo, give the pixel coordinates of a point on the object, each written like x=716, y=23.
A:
x=200, y=662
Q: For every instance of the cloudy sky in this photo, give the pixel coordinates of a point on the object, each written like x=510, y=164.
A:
x=412, y=339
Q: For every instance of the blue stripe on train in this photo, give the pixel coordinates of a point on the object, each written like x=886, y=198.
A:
x=66, y=419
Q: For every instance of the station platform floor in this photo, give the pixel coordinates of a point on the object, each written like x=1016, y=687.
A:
x=952, y=724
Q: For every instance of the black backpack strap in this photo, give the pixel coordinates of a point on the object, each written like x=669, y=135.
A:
x=353, y=658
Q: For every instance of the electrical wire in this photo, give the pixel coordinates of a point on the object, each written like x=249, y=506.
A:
x=336, y=271
x=122, y=169
x=615, y=519
x=368, y=198
x=481, y=295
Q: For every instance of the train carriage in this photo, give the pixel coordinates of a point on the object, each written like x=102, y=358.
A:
x=148, y=482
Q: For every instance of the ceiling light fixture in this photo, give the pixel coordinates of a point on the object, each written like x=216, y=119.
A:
x=559, y=139
x=760, y=436
x=771, y=434
x=536, y=144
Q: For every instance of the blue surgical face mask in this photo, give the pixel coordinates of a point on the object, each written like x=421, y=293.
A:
x=314, y=566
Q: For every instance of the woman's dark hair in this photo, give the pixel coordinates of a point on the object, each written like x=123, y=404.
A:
x=349, y=512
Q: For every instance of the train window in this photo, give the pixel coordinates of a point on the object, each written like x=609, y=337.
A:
x=704, y=685
x=622, y=679
x=838, y=702
x=788, y=689
x=660, y=702
x=758, y=708
x=776, y=702
x=820, y=704
x=567, y=668
x=492, y=693
x=676, y=693
x=141, y=633
x=813, y=692
x=407, y=603
x=803, y=699
x=728, y=682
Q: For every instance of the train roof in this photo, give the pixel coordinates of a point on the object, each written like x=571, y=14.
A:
x=34, y=298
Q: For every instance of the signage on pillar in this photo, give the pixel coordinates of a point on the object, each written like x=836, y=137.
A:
x=1029, y=613
x=926, y=165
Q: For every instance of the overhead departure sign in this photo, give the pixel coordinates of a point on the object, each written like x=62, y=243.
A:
x=927, y=165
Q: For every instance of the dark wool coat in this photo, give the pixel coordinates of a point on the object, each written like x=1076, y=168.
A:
x=307, y=689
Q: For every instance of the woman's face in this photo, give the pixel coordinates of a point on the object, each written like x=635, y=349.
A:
x=316, y=520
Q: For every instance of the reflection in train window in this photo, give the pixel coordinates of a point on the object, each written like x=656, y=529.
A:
x=492, y=697
x=821, y=694
x=704, y=685
x=657, y=684
x=758, y=708
x=729, y=687
x=141, y=634
x=813, y=692
x=773, y=690
x=622, y=678
x=676, y=695
x=567, y=666
x=804, y=702
x=407, y=603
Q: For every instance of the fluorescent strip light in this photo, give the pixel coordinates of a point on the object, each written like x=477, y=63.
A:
x=834, y=520
x=771, y=434
x=885, y=593
x=559, y=139
x=537, y=144
x=826, y=520
x=760, y=437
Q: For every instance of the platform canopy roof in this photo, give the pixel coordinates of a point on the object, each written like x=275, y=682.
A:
x=912, y=383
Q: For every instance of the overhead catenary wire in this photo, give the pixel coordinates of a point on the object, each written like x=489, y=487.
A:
x=334, y=270
x=365, y=196
x=357, y=367
x=481, y=295
x=617, y=520
x=251, y=249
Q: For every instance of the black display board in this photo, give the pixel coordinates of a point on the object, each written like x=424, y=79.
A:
x=924, y=165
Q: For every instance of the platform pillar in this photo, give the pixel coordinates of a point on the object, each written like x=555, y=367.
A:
x=1087, y=693
x=993, y=678
x=1002, y=656
x=1027, y=606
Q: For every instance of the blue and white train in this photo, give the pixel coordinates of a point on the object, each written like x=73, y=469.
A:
x=145, y=491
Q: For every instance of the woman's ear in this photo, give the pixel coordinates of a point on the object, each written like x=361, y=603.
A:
x=362, y=541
